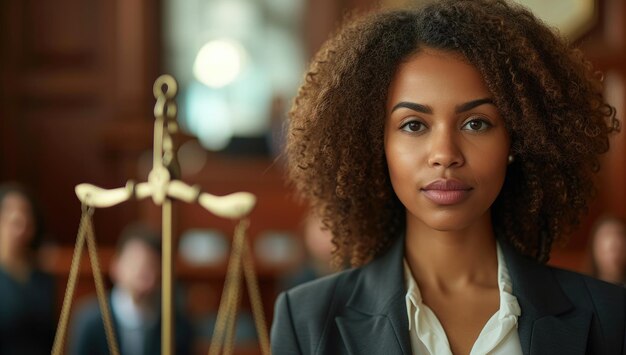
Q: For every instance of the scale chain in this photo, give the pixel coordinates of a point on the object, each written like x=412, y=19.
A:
x=85, y=233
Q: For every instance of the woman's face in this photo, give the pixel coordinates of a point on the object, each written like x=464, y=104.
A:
x=445, y=142
x=16, y=223
x=137, y=269
x=609, y=249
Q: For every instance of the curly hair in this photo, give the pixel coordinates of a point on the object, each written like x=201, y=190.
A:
x=550, y=97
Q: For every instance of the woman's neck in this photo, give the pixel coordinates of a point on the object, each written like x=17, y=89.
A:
x=450, y=260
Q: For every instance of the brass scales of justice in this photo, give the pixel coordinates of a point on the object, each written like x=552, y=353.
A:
x=163, y=187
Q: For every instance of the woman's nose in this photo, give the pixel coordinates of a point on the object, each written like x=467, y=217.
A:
x=444, y=151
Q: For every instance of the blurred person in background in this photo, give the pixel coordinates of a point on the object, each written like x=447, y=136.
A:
x=608, y=250
x=27, y=302
x=318, y=253
x=134, y=301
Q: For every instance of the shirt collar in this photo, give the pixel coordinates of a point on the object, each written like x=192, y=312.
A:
x=127, y=313
x=508, y=302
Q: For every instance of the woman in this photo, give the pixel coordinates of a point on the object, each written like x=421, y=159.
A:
x=608, y=250
x=27, y=306
x=446, y=149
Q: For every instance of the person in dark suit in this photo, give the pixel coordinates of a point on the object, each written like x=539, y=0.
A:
x=27, y=293
x=134, y=302
x=447, y=148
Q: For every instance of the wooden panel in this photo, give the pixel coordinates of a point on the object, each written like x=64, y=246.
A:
x=60, y=33
x=62, y=67
x=605, y=47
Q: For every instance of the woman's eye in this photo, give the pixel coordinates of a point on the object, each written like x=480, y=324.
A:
x=477, y=125
x=413, y=126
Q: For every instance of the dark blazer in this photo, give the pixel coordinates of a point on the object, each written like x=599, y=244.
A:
x=89, y=338
x=27, y=312
x=363, y=311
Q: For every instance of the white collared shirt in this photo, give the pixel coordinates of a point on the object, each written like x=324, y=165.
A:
x=498, y=337
x=133, y=322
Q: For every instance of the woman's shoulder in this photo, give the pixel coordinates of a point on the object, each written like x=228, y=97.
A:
x=545, y=284
x=305, y=314
x=589, y=292
x=368, y=287
x=319, y=294
x=602, y=302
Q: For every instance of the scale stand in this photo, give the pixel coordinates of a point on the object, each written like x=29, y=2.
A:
x=163, y=189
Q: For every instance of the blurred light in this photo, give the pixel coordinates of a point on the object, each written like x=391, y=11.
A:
x=571, y=17
x=203, y=246
x=219, y=62
x=276, y=247
x=282, y=59
x=232, y=18
x=209, y=116
x=249, y=101
x=192, y=157
x=287, y=10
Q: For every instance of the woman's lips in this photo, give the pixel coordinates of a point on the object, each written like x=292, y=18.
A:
x=446, y=192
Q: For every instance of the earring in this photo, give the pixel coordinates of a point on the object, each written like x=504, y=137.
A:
x=511, y=158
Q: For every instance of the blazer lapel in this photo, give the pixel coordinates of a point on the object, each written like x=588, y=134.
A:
x=375, y=319
x=553, y=335
x=369, y=334
x=549, y=323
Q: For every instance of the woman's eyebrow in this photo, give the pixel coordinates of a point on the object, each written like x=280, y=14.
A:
x=472, y=104
x=413, y=106
x=428, y=110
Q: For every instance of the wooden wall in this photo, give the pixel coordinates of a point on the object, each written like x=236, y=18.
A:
x=605, y=46
x=75, y=76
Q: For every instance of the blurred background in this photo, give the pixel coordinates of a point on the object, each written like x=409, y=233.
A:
x=76, y=106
